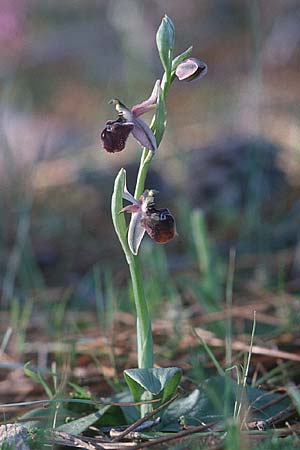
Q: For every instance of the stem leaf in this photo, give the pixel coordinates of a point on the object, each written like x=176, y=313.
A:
x=182, y=57
x=160, y=118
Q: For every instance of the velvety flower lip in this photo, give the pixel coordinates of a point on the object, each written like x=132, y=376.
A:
x=115, y=133
x=159, y=224
x=191, y=69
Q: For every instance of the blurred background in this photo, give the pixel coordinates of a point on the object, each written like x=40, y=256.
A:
x=231, y=147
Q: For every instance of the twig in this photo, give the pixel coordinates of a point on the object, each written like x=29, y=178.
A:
x=70, y=440
x=279, y=417
x=70, y=400
x=171, y=437
x=144, y=419
x=256, y=349
x=179, y=435
x=270, y=402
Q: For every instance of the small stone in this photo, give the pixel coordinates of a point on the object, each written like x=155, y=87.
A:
x=14, y=434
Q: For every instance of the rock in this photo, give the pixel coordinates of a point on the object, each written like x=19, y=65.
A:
x=15, y=435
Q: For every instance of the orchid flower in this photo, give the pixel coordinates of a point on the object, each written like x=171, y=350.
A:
x=158, y=223
x=116, y=132
x=191, y=69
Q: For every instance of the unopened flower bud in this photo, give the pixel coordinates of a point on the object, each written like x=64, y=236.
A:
x=165, y=38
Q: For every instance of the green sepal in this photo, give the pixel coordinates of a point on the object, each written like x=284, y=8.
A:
x=182, y=57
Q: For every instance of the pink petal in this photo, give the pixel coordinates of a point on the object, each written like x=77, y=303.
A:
x=142, y=108
x=127, y=196
x=191, y=69
x=144, y=135
x=130, y=209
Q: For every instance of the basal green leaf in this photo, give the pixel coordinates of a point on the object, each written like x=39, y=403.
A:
x=160, y=382
x=79, y=425
x=42, y=418
x=131, y=413
x=207, y=404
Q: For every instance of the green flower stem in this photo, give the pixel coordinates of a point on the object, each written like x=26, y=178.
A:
x=147, y=155
x=144, y=333
x=144, y=336
x=166, y=83
x=146, y=158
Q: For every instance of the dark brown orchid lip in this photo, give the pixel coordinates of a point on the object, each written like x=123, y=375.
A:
x=115, y=134
x=159, y=224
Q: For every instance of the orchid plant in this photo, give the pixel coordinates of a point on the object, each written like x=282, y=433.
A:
x=147, y=382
